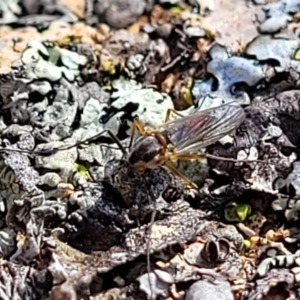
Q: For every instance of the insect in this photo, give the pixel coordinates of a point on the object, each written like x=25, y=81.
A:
x=174, y=140
x=181, y=139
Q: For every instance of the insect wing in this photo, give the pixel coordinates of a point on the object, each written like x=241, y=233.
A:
x=203, y=128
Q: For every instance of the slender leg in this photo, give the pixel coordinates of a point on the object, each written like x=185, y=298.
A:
x=168, y=114
x=137, y=124
x=184, y=178
x=232, y=159
x=175, y=157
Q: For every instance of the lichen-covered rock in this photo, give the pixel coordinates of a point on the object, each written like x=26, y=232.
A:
x=210, y=290
x=226, y=72
x=86, y=221
x=278, y=49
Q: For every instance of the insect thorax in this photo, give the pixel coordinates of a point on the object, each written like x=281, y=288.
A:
x=146, y=152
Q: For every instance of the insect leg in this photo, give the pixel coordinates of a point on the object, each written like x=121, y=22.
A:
x=168, y=114
x=175, y=157
x=232, y=159
x=184, y=178
x=136, y=125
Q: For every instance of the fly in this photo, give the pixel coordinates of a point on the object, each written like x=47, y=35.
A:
x=179, y=139
x=182, y=139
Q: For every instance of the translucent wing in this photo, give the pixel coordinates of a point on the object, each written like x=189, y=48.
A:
x=203, y=128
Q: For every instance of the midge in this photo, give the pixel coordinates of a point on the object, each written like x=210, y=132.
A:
x=175, y=140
